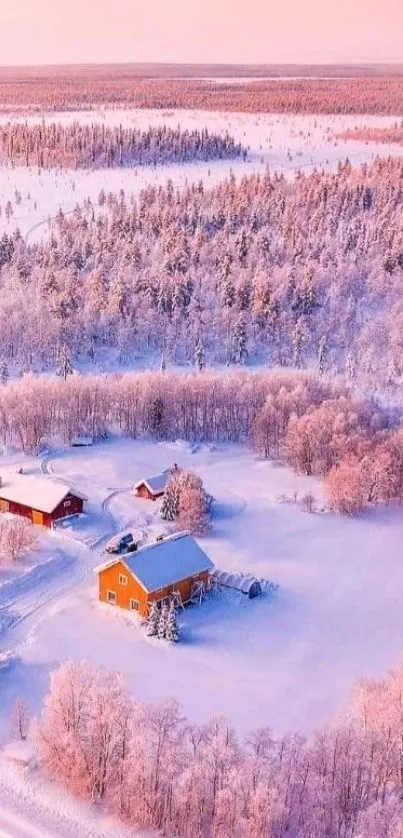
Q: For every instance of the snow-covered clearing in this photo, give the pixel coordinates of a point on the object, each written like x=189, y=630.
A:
x=31, y=807
x=284, y=143
x=289, y=660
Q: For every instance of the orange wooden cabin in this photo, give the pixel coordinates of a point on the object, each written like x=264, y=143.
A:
x=154, y=572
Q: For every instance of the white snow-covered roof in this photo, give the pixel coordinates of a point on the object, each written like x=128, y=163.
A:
x=154, y=484
x=162, y=563
x=41, y=493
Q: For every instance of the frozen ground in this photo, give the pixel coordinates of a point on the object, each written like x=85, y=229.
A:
x=288, y=661
x=285, y=143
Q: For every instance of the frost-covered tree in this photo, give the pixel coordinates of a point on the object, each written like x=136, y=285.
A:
x=163, y=621
x=4, y=373
x=153, y=620
x=20, y=719
x=172, y=629
x=170, y=501
x=199, y=358
x=64, y=366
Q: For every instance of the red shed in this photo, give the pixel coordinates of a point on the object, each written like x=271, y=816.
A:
x=43, y=500
x=152, y=488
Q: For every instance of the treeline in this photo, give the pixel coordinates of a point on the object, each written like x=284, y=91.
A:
x=315, y=425
x=77, y=145
x=150, y=767
x=307, y=273
x=373, y=94
x=369, y=134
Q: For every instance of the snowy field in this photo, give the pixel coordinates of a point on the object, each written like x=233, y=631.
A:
x=284, y=143
x=288, y=661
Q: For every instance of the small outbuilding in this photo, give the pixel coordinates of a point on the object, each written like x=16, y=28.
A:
x=173, y=565
x=152, y=488
x=244, y=583
x=40, y=499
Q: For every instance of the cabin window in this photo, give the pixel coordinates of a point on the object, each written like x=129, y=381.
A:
x=67, y=503
x=134, y=605
x=111, y=597
x=122, y=579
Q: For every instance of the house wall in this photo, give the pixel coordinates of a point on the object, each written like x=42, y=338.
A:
x=184, y=587
x=143, y=492
x=71, y=505
x=45, y=519
x=109, y=581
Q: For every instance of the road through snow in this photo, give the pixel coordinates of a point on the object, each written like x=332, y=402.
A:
x=24, y=603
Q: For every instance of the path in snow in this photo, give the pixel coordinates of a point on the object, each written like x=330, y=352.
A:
x=32, y=807
x=23, y=597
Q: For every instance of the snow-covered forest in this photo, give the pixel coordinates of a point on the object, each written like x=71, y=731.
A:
x=223, y=306
x=305, y=273
x=73, y=88
x=315, y=425
x=153, y=769
x=48, y=145
x=370, y=134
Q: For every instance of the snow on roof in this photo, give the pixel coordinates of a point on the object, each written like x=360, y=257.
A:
x=41, y=493
x=162, y=563
x=154, y=484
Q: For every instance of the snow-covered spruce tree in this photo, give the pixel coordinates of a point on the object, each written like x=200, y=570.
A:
x=172, y=629
x=4, y=373
x=153, y=620
x=200, y=359
x=163, y=621
x=170, y=501
x=240, y=342
x=157, y=417
x=64, y=367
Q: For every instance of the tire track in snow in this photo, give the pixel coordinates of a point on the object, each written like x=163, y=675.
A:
x=27, y=594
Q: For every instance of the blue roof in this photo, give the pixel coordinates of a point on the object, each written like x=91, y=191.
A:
x=165, y=562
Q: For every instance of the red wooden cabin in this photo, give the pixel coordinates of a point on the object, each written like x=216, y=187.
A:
x=42, y=500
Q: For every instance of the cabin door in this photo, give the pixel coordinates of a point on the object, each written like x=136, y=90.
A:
x=37, y=517
x=4, y=506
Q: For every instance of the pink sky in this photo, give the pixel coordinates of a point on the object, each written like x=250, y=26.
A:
x=255, y=31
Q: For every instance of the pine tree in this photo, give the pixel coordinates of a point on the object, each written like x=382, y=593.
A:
x=170, y=501
x=153, y=620
x=298, y=340
x=163, y=621
x=64, y=367
x=157, y=416
x=200, y=359
x=350, y=366
x=4, y=373
x=322, y=355
x=172, y=630
x=240, y=352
